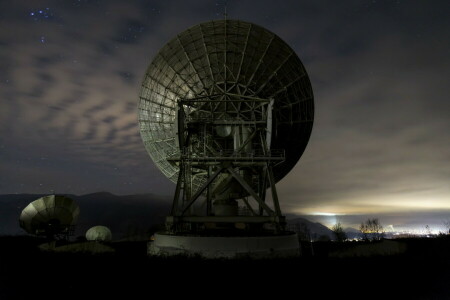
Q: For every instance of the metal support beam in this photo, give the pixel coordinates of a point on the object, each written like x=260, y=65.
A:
x=243, y=98
x=248, y=188
x=208, y=196
x=180, y=126
x=191, y=63
x=176, y=197
x=274, y=73
x=261, y=59
x=248, y=140
x=274, y=190
x=200, y=190
x=263, y=187
x=248, y=206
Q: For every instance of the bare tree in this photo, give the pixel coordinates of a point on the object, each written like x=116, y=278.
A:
x=339, y=232
x=372, y=230
x=447, y=225
x=428, y=231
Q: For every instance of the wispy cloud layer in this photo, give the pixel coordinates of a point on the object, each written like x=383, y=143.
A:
x=70, y=81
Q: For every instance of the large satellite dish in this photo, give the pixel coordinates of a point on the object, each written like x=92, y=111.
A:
x=51, y=216
x=226, y=110
x=250, y=62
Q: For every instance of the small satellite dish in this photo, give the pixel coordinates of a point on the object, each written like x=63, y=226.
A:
x=52, y=216
x=99, y=233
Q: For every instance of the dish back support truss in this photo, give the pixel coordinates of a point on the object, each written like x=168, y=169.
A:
x=231, y=145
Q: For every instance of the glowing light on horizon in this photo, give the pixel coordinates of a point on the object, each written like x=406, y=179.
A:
x=390, y=228
x=325, y=214
x=379, y=205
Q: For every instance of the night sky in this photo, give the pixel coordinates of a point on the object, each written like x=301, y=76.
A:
x=71, y=74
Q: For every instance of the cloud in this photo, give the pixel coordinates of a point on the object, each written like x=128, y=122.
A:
x=67, y=101
x=379, y=73
x=379, y=127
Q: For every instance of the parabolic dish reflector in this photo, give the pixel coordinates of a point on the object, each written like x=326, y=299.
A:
x=226, y=57
x=51, y=213
x=98, y=233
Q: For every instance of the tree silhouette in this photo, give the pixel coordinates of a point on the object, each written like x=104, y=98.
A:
x=339, y=233
x=372, y=230
x=447, y=225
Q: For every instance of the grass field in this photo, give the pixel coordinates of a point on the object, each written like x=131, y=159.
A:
x=420, y=271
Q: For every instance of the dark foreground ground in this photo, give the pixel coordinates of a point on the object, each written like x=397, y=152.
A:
x=422, y=271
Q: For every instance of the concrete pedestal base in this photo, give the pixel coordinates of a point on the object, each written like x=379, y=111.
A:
x=285, y=245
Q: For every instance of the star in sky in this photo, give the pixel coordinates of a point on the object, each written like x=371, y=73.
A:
x=41, y=14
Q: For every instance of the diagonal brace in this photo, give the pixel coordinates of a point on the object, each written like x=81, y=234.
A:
x=201, y=189
x=177, y=191
x=274, y=190
x=249, y=207
x=250, y=191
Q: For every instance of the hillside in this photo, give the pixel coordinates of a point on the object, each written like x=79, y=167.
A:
x=315, y=230
x=129, y=215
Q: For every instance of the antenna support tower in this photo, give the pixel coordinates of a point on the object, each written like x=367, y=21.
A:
x=240, y=173
x=226, y=110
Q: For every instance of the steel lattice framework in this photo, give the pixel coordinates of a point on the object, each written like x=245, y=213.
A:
x=240, y=57
x=223, y=79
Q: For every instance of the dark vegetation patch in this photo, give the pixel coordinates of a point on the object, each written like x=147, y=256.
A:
x=421, y=272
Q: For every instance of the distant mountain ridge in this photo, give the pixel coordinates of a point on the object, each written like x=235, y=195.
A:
x=315, y=229
x=318, y=231
x=127, y=215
